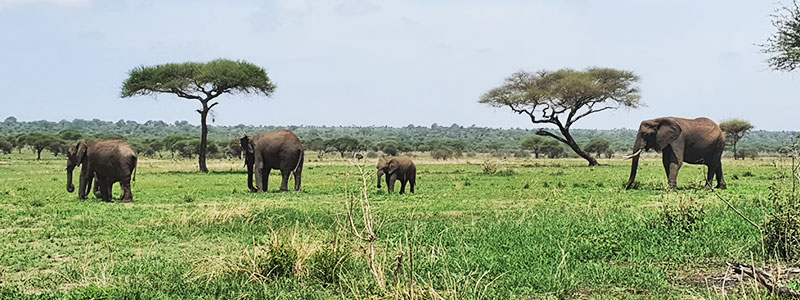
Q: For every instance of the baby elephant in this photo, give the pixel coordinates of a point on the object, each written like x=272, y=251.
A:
x=397, y=168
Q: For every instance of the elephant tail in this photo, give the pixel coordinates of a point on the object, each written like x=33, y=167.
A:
x=134, y=164
x=301, y=157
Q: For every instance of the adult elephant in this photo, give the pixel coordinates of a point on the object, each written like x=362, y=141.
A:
x=397, y=168
x=694, y=141
x=106, y=161
x=281, y=150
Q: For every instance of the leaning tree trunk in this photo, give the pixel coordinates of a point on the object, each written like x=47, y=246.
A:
x=39, y=153
x=201, y=157
x=574, y=146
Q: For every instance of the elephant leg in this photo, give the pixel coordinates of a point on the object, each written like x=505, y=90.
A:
x=671, y=167
x=84, y=181
x=720, y=179
x=298, y=176
x=284, y=180
x=264, y=179
x=391, y=179
x=127, y=193
x=412, y=182
x=96, y=189
x=403, y=186
x=712, y=170
x=105, y=188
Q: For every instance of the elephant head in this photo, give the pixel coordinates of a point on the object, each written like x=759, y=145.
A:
x=654, y=134
x=387, y=167
x=248, y=148
x=75, y=156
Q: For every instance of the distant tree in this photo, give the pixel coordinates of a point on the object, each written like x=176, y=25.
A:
x=598, y=146
x=169, y=142
x=609, y=153
x=553, y=149
x=784, y=45
x=39, y=141
x=5, y=146
x=184, y=148
x=565, y=96
x=343, y=144
x=10, y=120
x=70, y=135
x=423, y=147
x=58, y=146
x=533, y=144
x=203, y=82
x=734, y=130
x=442, y=153
x=235, y=148
x=389, y=148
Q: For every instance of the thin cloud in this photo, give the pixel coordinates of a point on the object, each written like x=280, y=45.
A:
x=65, y=3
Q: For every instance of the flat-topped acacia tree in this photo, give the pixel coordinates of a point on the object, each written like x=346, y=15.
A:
x=203, y=82
x=565, y=96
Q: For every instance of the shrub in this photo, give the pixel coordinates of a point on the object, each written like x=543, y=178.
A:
x=686, y=215
x=326, y=264
x=782, y=226
x=521, y=154
x=372, y=154
x=489, y=167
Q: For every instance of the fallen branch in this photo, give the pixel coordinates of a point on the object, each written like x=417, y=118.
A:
x=739, y=213
x=765, y=279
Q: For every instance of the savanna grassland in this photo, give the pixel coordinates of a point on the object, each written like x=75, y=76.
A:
x=528, y=229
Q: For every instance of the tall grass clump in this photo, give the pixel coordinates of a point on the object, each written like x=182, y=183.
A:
x=684, y=215
x=782, y=226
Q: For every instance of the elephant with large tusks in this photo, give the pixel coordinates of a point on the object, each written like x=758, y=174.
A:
x=281, y=150
x=106, y=161
x=694, y=141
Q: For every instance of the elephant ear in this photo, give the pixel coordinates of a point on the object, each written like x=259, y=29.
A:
x=668, y=131
x=393, y=165
x=80, y=153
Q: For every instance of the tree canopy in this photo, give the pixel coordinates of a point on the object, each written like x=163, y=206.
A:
x=199, y=81
x=784, y=45
x=565, y=96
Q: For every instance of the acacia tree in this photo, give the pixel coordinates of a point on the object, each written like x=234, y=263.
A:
x=784, y=45
x=735, y=129
x=39, y=141
x=563, y=97
x=203, y=82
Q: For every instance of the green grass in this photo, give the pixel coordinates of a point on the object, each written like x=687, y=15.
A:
x=547, y=229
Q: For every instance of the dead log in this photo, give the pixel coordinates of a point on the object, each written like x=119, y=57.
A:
x=764, y=278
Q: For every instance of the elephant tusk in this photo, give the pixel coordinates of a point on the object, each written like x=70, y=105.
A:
x=634, y=155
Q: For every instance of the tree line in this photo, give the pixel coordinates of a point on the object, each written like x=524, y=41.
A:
x=179, y=139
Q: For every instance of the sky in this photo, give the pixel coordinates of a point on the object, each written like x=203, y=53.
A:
x=393, y=62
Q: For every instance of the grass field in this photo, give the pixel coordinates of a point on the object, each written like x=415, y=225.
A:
x=534, y=229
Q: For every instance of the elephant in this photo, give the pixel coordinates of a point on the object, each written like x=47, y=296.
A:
x=281, y=150
x=397, y=168
x=694, y=141
x=105, y=161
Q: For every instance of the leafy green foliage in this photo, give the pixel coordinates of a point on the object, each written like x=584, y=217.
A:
x=734, y=130
x=598, y=146
x=784, y=45
x=195, y=80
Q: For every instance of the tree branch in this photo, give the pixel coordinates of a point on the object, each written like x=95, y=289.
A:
x=542, y=132
x=590, y=111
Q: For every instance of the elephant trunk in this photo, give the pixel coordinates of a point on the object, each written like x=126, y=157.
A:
x=380, y=174
x=70, y=186
x=638, y=147
x=249, y=161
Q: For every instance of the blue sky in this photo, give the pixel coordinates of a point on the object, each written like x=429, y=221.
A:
x=398, y=62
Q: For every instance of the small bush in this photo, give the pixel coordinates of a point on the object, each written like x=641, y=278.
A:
x=326, y=264
x=782, y=226
x=522, y=154
x=471, y=154
x=685, y=215
x=489, y=167
x=372, y=154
